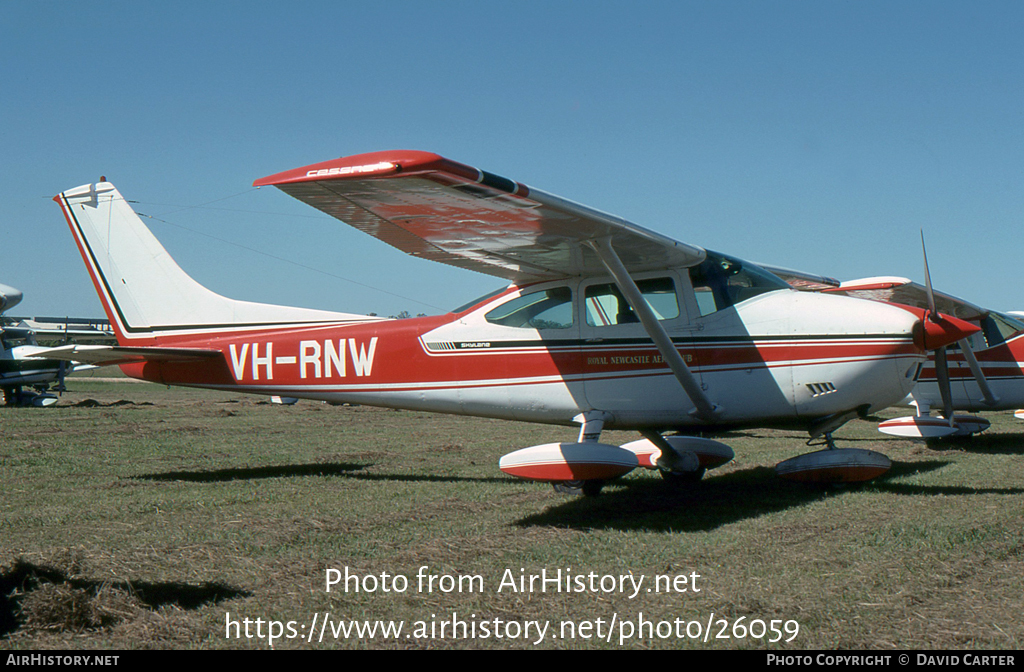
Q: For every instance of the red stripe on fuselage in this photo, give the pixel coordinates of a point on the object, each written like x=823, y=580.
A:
x=1002, y=361
x=392, y=354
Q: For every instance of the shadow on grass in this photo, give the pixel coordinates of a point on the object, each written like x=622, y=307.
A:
x=252, y=473
x=658, y=506
x=987, y=443
x=24, y=577
x=344, y=470
x=902, y=469
x=653, y=505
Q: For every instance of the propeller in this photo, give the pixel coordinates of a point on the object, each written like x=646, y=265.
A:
x=941, y=364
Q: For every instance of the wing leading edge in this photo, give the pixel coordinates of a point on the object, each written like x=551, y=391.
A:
x=434, y=208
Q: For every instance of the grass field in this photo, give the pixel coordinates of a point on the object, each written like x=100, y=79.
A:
x=135, y=516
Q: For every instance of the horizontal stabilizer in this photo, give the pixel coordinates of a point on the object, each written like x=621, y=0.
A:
x=107, y=355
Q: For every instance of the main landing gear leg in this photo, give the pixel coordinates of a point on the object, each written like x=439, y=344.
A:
x=677, y=468
x=591, y=424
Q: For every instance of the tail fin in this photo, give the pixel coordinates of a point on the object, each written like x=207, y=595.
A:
x=143, y=289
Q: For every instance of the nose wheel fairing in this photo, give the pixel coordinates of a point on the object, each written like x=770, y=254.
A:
x=834, y=465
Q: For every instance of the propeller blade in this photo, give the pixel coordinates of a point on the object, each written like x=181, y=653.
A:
x=941, y=365
x=928, y=281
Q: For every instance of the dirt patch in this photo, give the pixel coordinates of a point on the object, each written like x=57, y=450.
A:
x=56, y=595
x=92, y=403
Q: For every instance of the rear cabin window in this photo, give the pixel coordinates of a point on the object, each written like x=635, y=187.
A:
x=546, y=309
x=607, y=307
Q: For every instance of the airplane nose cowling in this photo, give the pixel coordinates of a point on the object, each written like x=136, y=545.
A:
x=935, y=330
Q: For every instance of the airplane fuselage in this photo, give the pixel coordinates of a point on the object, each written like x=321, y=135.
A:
x=19, y=370
x=782, y=358
x=16, y=368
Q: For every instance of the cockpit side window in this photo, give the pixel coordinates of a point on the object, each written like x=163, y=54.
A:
x=544, y=309
x=720, y=282
x=998, y=328
x=606, y=306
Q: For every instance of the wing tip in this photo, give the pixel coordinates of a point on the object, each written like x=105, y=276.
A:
x=372, y=164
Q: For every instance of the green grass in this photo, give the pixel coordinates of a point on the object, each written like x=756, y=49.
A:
x=144, y=523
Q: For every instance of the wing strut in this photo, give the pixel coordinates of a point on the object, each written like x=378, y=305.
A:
x=972, y=361
x=705, y=408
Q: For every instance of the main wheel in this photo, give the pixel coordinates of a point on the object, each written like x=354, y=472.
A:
x=591, y=488
x=682, y=477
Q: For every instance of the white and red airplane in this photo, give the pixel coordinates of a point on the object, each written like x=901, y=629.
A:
x=605, y=324
x=982, y=371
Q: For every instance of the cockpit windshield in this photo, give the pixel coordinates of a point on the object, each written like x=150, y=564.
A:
x=721, y=281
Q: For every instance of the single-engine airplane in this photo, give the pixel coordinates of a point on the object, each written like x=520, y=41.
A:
x=982, y=371
x=605, y=324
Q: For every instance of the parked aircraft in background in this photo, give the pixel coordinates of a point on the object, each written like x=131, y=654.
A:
x=26, y=380
x=605, y=324
x=983, y=371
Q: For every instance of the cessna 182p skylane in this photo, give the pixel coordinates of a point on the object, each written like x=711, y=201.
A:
x=605, y=324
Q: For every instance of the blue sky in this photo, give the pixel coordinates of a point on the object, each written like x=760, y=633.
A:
x=815, y=135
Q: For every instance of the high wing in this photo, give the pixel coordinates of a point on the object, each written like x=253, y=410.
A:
x=107, y=355
x=807, y=282
x=434, y=208
x=883, y=288
x=909, y=293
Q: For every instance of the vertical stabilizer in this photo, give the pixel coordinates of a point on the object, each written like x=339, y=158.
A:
x=143, y=289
